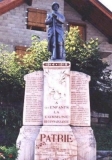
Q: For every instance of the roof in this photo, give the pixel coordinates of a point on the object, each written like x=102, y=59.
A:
x=7, y=5
x=96, y=13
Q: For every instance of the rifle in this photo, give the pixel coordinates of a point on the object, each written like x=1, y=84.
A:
x=54, y=39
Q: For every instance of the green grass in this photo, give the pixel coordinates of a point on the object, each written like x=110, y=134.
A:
x=103, y=137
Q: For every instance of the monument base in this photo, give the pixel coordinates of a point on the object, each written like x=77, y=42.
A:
x=65, y=103
x=56, y=142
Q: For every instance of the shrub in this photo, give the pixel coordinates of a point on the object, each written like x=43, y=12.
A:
x=10, y=122
x=38, y=54
x=103, y=136
x=8, y=153
x=11, y=78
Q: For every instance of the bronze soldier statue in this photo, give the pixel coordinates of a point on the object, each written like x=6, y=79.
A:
x=55, y=33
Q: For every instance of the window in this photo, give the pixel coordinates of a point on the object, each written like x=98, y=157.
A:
x=82, y=29
x=29, y=2
x=36, y=19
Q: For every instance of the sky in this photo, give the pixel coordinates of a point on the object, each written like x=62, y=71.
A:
x=107, y=3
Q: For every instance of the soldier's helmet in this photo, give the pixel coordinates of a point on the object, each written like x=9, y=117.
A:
x=55, y=3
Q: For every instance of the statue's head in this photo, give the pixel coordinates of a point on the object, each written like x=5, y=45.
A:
x=55, y=6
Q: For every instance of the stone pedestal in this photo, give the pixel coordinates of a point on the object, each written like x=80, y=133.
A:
x=56, y=117
x=56, y=93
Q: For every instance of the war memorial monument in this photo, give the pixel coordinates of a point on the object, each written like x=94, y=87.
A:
x=56, y=115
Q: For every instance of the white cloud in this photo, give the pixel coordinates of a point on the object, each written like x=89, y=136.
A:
x=107, y=3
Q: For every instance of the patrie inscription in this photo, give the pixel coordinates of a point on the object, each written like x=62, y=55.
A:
x=56, y=144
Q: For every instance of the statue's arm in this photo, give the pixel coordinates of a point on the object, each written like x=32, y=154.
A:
x=48, y=20
x=61, y=18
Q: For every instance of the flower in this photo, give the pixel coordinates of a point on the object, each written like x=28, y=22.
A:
x=10, y=155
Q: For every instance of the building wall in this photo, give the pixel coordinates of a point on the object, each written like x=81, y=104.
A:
x=72, y=16
x=13, y=30
x=91, y=32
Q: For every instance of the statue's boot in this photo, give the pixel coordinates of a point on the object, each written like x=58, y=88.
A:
x=53, y=57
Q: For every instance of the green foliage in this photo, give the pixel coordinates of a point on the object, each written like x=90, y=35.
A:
x=103, y=136
x=10, y=117
x=8, y=153
x=84, y=56
x=11, y=78
x=36, y=55
x=10, y=122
